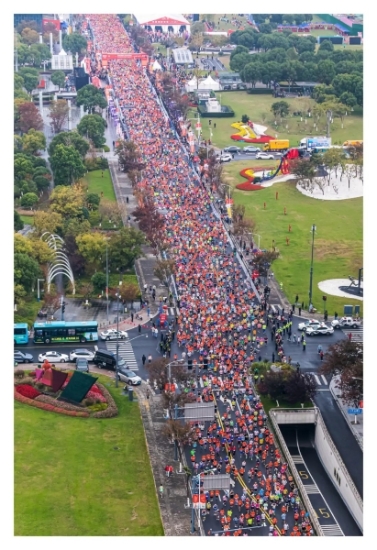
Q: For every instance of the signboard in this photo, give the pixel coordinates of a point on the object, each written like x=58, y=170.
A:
x=219, y=482
x=318, y=142
x=199, y=502
x=348, y=311
x=199, y=411
x=354, y=411
x=163, y=317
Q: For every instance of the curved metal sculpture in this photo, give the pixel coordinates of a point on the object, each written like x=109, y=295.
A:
x=60, y=263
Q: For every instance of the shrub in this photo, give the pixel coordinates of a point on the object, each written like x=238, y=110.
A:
x=27, y=391
x=19, y=373
x=24, y=380
x=98, y=407
x=40, y=386
x=106, y=148
x=88, y=401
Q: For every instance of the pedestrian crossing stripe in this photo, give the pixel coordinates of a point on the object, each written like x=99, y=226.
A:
x=126, y=352
x=297, y=459
x=173, y=311
x=311, y=489
x=357, y=334
x=332, y=530
x=320, y=379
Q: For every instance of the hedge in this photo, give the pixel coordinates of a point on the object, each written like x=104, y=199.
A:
x=256, y=91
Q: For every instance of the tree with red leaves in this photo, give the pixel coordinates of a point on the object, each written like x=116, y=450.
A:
x=29, y=117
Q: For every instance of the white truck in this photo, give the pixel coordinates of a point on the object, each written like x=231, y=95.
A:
x=346, y=322
x=315, y=142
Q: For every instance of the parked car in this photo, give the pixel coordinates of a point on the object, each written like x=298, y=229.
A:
x=227, y=87
x=346, y=322
x=263, y=156
x=232, y=149
x=81, y=354
x=112, y=334
x=308, y=323
x=106, y=359
x=53, y=357
x=22, y=357
x=82, y=365
x=250, y=149
x=322, y=329
x=129, y=377
x=226, y=158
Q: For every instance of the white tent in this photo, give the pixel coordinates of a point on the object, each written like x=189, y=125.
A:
x=209, y=84
x=156, y=66
x=192, y=85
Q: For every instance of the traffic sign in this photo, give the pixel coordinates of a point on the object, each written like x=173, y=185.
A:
x=354, y=411
x=163, y=317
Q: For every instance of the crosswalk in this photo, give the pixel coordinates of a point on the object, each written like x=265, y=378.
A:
x=332, y=530
x=320, y=379
x=357, y=334
x=125, y=352
x=173, y=311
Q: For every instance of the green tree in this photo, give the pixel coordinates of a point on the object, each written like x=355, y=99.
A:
x=74, y=43
x=39, y=53
x=58, y=78
x=47, y=221
x=239, y=49
x=29, y=200
x=125, y=248
x=99, y=281
x=90, y=97
x=67, y=200
x=239, y=61
x=327, y=46
x=93, y=127
x=30, y=76
x=252, y=73
x=18, y=81
x=92, y=247
x=18, y=223
x=280, y=108
x=92, y=201
x=69, y=139
x=23, y=167
x=326, y=71
x=33, y=141
x=66, y=165
x=26, y=271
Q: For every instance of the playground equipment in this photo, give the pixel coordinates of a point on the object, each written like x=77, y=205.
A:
x=250, y=133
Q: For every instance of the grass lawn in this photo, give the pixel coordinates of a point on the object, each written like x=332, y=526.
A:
x=269, y=404
x=27, y=219
x=83, y=477
x=258, y=108
x=96, y=183
x=338, y=249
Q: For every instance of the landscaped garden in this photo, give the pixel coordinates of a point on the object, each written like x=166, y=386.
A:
x=99, y=181
x=80, y=473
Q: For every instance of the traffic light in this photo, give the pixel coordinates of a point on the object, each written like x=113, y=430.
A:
x=63, y=307
x=205, y=363
x=189, y=364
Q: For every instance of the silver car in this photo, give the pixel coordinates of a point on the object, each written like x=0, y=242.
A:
x=81, y=354
x=53, y=357
x=129, y=377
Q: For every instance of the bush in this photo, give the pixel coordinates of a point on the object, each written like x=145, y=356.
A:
x=106, y=148
x=88, y=401
x=19, y=373
x=90, y=164
x=98, y=407
x=94, y=218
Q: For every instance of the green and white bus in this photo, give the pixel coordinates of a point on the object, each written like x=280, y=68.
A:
x=21, y=334
x=62, y=331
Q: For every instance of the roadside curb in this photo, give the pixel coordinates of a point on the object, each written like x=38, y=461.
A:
x=341, y=406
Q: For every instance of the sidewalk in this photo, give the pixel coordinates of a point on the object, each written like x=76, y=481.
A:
x=357, y=429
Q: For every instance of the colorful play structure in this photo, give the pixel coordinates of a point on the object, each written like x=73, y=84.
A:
x=250, y=133
x=268, y=174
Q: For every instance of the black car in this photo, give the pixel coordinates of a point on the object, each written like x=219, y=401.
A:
x=106, y=359
x=22, y=357
x=82, y=364
x=232, y=149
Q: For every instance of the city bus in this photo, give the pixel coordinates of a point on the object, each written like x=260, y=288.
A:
x=62, y=331
x=21, y=333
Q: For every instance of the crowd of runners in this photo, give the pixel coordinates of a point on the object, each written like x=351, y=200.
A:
x=220, y=321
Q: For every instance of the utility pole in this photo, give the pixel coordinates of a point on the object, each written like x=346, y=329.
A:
x=311, y=268
x=107, y=284
x=329, y=120
x=117, y=348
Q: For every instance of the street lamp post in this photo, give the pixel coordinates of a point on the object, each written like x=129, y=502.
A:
x=313, y=229
x=107, y=284
x=38, y=291
x=117, y=348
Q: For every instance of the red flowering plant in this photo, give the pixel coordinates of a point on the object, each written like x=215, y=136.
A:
x=27, y=391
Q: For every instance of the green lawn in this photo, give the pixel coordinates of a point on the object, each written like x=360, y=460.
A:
x=27, y=219
x=96, y=183
x=338, y=240
x=83, y=477
x=258, y=108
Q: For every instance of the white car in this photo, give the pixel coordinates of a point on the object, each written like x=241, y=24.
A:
x=227, y=157
x=53, y=357
x=250, y=149
x=112, y=334
x=129, y=377
x=81, y=354
x=346, y=322
x=264, y=156
x=309, y=323
x=322, y=329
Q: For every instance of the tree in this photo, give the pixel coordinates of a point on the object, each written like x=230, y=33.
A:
x=346, y=359
x=239, y=49
x=69, y=139
x=92, y=247
x=74, y=43
x=179, y=432
x=151, y=222
x=93, y=127
x=29, y=36
x=125, y=248
x=59, y=110
x=239, y=61
x=263, y=261
x=99, y=281
x=33, y=141
x=129, y=292
x=29, y=117
x=112, y=211
x=47, y=221
x=332, y=159
x=22, y=166
x=92, y=201
x=128, y=156
x=30, y=77
x=348, y=99
x=326, y=71
x=29, y=200
x=327, y=46
x=67, y=201
x=58, y=78
x=26, y=271
x=299, y=388
x=39, y=53
x=18, y=223
x=280, y=108
x=251, y=73
x=18, y=81
x=272, y=385
x=90, y=97
x=66, y=165
x=305, y=172
x=29, y=24
x=164, y=269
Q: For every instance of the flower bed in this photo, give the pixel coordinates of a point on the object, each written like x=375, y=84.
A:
x=248, y=173
x=47, y=406
x=27, y=391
